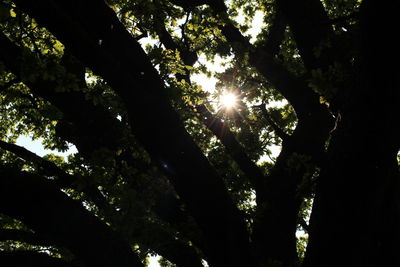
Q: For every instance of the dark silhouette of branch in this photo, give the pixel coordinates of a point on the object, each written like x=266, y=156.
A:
x=343, y=20
x=31, y=258
x=304, y=224
x=51, y=213
x=275, y=35
x=51, y=169
x=47, y=166
x=235, y=149
x=188, y=4
x=309, y=24
x=278, y=130
x=23, y=236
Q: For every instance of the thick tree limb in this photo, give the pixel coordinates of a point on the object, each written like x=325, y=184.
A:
x=41, y=163
x=188, y=56
x=49, y=168
x=278, y=131
x=275, y=34
x=50, y=213
x=319, y=46
x=310, y=25
x=189, y=4
x=23, y=236
x=152, y=236
x=86, y=117
x=80, y=26
x=304, y=225
x=235, y=149
x=366, y=215
x=33, y=259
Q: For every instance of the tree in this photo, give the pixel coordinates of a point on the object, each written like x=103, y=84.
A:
x=161, y=170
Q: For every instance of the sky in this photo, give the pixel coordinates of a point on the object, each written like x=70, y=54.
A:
x=207, y=83
x=36, y=147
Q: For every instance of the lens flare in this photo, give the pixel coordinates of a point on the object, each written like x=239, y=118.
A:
x=228, y=100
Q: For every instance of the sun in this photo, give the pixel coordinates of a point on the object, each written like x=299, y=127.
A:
x=228, y=100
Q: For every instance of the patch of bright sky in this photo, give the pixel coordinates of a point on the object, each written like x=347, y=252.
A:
x=208, y=83
x=256, y=25
x=153, y=261
x=36, y=147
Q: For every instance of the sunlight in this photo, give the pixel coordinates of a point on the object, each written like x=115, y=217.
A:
x=228, y=100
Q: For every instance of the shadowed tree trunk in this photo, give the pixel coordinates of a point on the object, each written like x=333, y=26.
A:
x=357, y=200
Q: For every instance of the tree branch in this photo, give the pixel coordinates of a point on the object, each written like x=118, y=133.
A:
x=304, y=224
x=275, y=35
x=49, y=168
x=23, y=236
x=51, y=213
x=235, y=149
x=90, y=121
x=189, y=3
x=278, y=131
x=31, y=258
x=311, y=29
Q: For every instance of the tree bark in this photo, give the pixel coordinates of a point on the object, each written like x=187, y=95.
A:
x=53, y=215
x=357, y=200
x=31, y=259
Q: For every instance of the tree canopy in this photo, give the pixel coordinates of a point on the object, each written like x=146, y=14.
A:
x=291, y=160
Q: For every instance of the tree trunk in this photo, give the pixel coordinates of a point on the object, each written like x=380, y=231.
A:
x=356, y=216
